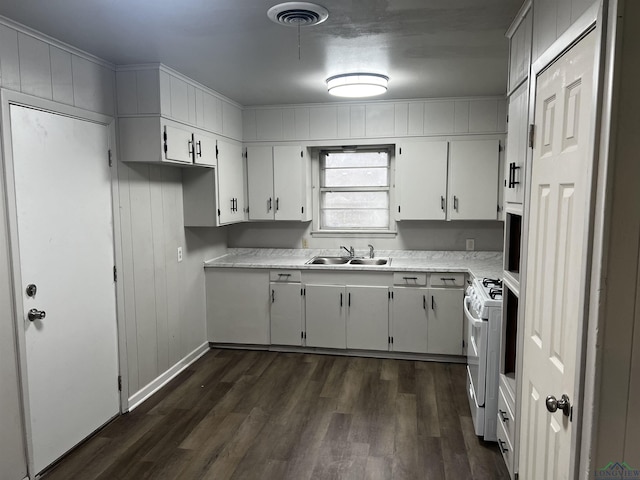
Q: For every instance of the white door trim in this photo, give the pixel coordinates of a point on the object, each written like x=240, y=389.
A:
x=591, y=20
x=8, y=98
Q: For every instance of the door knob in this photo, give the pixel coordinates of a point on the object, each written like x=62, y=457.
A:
x=36, y=314
x=563, y=404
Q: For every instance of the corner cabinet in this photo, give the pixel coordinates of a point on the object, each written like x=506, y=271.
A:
x=279, y=183
x=439, y=180
x=216, y=196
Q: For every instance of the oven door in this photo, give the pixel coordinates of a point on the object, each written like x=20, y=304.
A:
x=476, y=352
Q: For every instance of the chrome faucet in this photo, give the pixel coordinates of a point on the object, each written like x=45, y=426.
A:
x=350, y=251
x=371, y=254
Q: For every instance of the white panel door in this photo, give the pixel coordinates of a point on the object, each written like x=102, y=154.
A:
x=230, y=183
x=444, y=332
x=325, y=316
x=288, y=181
x=65, y=231
x=517, y=145
x=368, y=318
x=473, y=180
x=260, y=183
x=286, y=314
x=421, y=179
x=204, y=149
x=555, y=282
x=178, y=144
x=409, y=315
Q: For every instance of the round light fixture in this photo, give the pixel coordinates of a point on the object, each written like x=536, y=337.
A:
x=357, y=84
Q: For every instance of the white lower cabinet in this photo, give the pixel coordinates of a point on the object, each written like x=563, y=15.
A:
x=237, y=305
x=409, y=319
x=444, y=328
x=286, y=314
x=427, y=320
x=367, y=317
x=325, y=307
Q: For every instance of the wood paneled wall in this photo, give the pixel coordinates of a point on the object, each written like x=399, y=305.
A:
x=164, y=300
x=551, y=18
x=375, y=120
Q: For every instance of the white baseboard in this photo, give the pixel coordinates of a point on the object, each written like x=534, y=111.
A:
x=141, y=395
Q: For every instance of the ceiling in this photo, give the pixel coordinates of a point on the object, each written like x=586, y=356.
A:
x=428, y=48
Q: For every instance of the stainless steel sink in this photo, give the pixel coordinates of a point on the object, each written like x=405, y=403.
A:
x=324, y=260
x=369, y=261
x=320, y=260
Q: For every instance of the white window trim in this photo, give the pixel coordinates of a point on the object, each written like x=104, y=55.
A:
x=316, y=231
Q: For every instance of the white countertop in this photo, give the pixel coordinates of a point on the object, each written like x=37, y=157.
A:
x=479, y=264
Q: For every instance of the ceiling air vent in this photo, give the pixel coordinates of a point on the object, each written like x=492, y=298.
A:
x=297, y=14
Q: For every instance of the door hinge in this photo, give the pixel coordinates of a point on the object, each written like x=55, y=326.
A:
x=119, y=383
x=532, y=132
x=110, y=159
x=516, y=476
x=115, y=274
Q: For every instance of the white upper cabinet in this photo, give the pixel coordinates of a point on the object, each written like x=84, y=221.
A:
x=421, y=180
x=473, y=179
x=231, y=190
x=215, y=196
x=188, y=116
x=279, y=181
x=517, y=145
x=520, y=36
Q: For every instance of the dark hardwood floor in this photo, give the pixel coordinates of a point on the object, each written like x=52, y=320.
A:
x=263, y=415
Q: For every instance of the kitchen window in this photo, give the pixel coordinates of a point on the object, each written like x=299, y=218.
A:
x=354, y=189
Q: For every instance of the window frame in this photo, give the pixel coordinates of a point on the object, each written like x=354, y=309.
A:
x=319, y=189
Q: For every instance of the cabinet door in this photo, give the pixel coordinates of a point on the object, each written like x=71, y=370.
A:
x=421, y=177
x=286, y=314
x=409, y=319
x=237, y=306
x=517, y=144
x=368, y=318
x=444, y=332
x=473, y=179
x=260, y=183
x=230, y=183
x=178, y=144
x=520, y=51
x=288, y=182
x=325, y=316
x=204, y=149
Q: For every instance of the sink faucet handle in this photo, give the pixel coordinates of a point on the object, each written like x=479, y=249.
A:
x=371, y=254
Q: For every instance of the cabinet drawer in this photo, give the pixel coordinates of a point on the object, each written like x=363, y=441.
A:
x=285, y=276
x=506, y=448
x=410, y=279
x=446, y=279
x=505, y=416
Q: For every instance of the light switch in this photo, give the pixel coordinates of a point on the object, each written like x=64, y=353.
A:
x=179, y=254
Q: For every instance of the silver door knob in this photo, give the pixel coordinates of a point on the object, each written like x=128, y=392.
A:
x=36, y=314
x=553, y=405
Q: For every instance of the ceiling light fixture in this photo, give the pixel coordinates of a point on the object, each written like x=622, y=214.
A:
x=357, y=84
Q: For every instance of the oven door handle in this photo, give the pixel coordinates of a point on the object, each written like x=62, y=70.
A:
x=474, y=321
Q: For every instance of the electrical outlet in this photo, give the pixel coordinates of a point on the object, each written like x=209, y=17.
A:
x=179, y=254
x=471, y=244
x=305, y=243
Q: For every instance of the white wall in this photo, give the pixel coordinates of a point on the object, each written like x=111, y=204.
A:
x=424, y=235
x=164, y=303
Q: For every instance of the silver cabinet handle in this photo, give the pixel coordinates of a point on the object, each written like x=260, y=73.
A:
x=455, y=203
